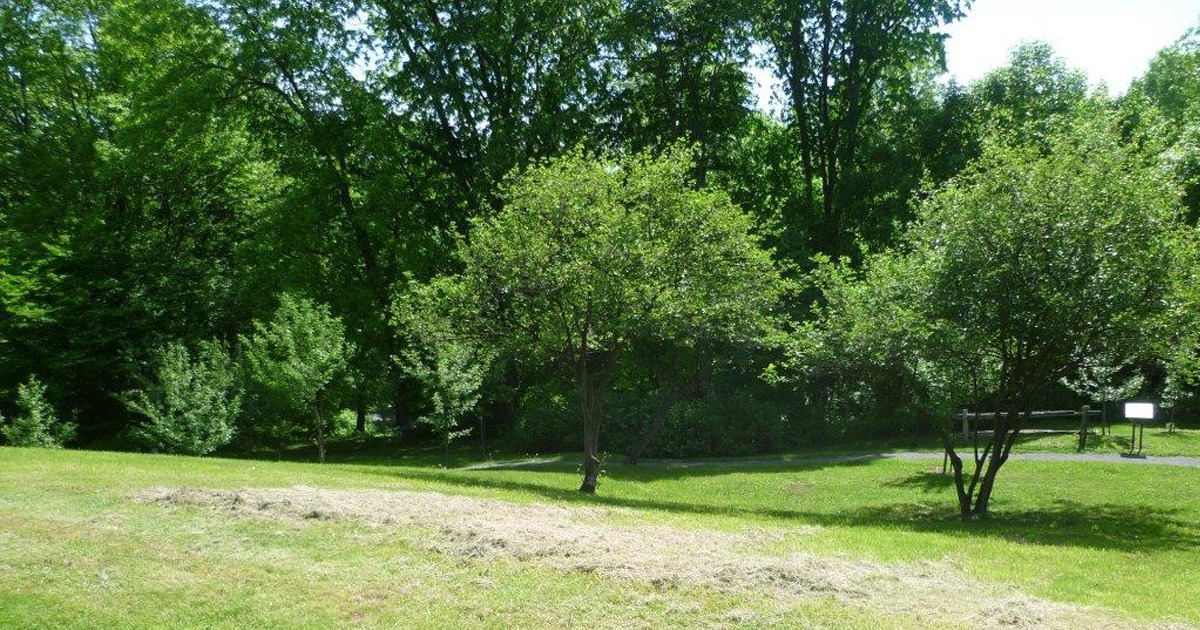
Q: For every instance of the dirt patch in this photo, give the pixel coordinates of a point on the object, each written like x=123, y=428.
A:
x=581, y=539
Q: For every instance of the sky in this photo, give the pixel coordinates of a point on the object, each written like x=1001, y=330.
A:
x=1110, y=40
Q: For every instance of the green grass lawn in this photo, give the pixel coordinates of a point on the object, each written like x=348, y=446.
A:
x=76, y=551
x=1156, y=441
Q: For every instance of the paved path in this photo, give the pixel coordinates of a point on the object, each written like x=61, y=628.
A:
x=1188, y=462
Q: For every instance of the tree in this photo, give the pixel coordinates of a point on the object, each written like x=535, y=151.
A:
x=362, y=212
x=589, y=257
x=494, y=84
x=1029, y=99
x=191, y=405
x=684, y=77
x=844, y=65
x=297, y=357
x=1015, y=274
x=1163, y=110
x=130, y=192
x=37, y=424
x=450, y=367
x=452, y=372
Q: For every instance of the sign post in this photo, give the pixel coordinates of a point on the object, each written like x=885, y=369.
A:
x=1138, y=414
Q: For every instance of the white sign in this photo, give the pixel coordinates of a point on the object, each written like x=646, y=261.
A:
x=1139, y=411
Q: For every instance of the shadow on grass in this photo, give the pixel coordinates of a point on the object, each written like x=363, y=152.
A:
x=1065, y=523
x=658, y=470
x=926, y=481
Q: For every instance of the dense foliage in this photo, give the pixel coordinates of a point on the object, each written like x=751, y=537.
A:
x=1022, y=271
x=590, y=261
x=594, y=177
x=191, y=404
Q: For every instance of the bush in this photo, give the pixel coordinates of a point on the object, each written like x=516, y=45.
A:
x=192, y=403
x=37, y=424
x=547, y=420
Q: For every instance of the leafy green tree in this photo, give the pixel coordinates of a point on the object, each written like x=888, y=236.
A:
x=452, y=373
x=1171, y=81
x=36, y=424
x=1029, y=99
x=1164, y=115
x=1016, y=274
x=1017, y=268
x=192, y=403
x=450, y=366
x=369, y=205
x=493, y=84
x=134, y=190
x=684, y=77
x=845, y=67
x=297, y=358
x=590, y=257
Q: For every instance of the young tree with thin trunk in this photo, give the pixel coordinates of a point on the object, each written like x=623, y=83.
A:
x=591, y=257
x=297, y=356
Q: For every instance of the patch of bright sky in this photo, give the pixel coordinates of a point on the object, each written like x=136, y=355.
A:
x=1112, y=41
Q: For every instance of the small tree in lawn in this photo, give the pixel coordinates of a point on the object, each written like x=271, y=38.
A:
x=590, y=257
x=297, y=356
x=1044, y=261
x=1104, y=379
x=1013, y=276
x=191, y=404
x=452, y=373
x=36, y=424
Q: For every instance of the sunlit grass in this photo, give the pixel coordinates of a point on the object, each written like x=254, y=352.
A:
x=75, y=551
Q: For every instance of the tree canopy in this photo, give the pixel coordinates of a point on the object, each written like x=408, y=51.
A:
x=590, y=258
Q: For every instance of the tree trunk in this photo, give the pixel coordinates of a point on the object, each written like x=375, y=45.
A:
x=591, y=389
x=320, y=434
x=483, y=434
x=1003, y=439
x=666, y=402
x=964, y=499
x=975, y=497
x=360, y=411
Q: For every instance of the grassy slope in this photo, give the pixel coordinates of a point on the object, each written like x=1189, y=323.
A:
x=75, y=551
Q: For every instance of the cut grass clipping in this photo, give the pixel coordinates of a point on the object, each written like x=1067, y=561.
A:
x=575, y=539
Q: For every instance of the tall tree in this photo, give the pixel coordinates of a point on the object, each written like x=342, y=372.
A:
x=842, y=65
x=683, y=66
x=1163, y=108
x=129, y=194
x=493, y=84
x=364, y=211
x=1031, y=97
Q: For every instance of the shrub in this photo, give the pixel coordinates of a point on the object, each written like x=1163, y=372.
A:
x=37, y=424
x=192, y=403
